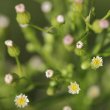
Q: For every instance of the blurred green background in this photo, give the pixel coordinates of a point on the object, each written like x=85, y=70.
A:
x=7, y=8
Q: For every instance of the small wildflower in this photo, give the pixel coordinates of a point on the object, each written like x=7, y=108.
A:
x=73, y=88
x=9, y=43
x=93, y=91
x=68, y=40
x=79, y=1
x=20, y=8
x=4, y=21
x=21, y=101
x=49, y=73
x=97, y=62
x=79, y=44
x=60, y=19
x=46, y=6
x=67, y=108
x=104, y=24
x=8, y=78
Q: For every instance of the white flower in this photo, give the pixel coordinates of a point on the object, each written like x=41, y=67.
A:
x=97, y=62
x=68, y=40
x=20, y=8
x=93, y=91
x=9, y=43
x=73, y=88
x=79, y=44
x=60, y=19
x=4, y=21
x=67, y=108
x=8, y=78
x=46, y=6
x=21, y=101
x=49, y=73
x=104, y=24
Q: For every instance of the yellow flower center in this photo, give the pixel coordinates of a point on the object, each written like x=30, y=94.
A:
x=21, y=101
x=96, y=62
x=74, y=87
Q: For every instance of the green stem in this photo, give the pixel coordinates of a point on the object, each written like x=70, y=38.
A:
x=41, y=29
x=20, y=71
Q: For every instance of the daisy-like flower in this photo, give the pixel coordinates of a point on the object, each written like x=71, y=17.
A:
x=21, y=100
x=97, y=62
x=73, y=88
x=79, y=44
x=9, y=43
x=49, y=73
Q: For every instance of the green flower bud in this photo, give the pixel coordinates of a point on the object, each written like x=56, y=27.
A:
x=50, y=91
x=13, y=51
x=79, y=52
x=23, y=18
x=85, y=65
x=96, y=26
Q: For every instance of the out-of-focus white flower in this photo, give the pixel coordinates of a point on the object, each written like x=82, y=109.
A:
x=8, y=78
x=36, y=63
x=104, y=24
x=79, y=44
x=60, y=19
x=93, y=91
x=4, y=21
x=79, y=1
x=68, y=40
x=97, y=62
x=46, y=6
x=73, y=88
x=67, y=108
x=9, y=43
x=21, y=100
x=20, y=8
x=49, y=73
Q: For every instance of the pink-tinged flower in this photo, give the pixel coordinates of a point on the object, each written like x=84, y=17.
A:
x=104, y=24
x=20, y=8
x=68, y=40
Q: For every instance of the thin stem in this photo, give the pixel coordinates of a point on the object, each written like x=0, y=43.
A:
x=41, y=29
x=20, y=71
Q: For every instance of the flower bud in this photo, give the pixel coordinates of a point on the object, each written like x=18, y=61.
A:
x=13, y=51
x=23, y=17
x=85, y=65
x=79, y=44
x=20, y=8
x=49, y=73
x=93, y=92
x=10, y=78
x=50, y=91
x=104, y=24
x=68, y=40
x=99, y=25
x=4, y=22
x=46, y=6
x=60, y=19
